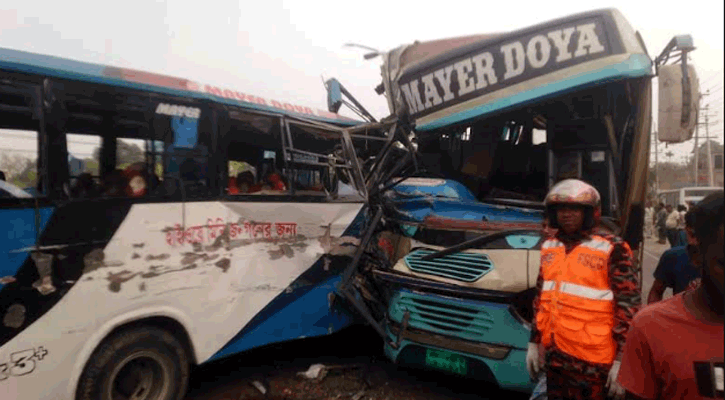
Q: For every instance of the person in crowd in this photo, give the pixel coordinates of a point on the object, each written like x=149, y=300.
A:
x=587, y=294
x=114, y=184
x=671, y=225
x=678, y=266
x=275, y=182
x=660, y=220
x=681, y=234
x=83, y=187
x=674, y=349
x=245, y=182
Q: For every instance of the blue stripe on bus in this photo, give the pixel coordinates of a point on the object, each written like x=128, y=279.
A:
x=45, y=65
x=307, y=316
x=19, y=232
x=638, y=65
x=307, y=306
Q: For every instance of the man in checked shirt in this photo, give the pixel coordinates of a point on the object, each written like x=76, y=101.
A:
x=587, y=294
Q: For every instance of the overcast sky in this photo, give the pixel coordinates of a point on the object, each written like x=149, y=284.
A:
x=279, y=50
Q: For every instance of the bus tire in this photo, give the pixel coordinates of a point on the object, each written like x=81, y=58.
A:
x=146, y=362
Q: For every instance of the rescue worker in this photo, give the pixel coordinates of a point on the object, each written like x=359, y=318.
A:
x=587, y=294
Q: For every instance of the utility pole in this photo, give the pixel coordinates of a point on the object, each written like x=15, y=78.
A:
x=697, y=149
x=657, y=173
x=710, y=178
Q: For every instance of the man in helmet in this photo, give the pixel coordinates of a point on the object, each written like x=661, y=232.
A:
x=587, y=294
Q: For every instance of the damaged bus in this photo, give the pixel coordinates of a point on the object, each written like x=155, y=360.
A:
x=480, y=128
x=134, y=243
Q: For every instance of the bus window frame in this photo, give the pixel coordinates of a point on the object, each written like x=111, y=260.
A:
x=288, y=129
x=35, y=122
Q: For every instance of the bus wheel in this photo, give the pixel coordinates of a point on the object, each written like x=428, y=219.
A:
x=145, y=363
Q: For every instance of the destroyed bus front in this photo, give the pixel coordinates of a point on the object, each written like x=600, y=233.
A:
x=465, y=312
x=482, y=127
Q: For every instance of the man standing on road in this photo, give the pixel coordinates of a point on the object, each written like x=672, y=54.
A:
x=671, y=225
x=678, y=266
x=681, y=234
x=675, y=347
x=587, y=294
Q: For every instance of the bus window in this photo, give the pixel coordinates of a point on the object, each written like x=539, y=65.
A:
x=19, y=159
x=83, y=155
x=315, y=165
x=140, y=163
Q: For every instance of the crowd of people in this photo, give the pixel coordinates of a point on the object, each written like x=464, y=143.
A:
x=592, y=338
x=666, y=223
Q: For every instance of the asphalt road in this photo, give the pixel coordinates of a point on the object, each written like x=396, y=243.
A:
x=366, y=373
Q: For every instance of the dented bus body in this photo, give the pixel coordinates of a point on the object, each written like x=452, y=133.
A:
x=485, y=125
x=111, y=271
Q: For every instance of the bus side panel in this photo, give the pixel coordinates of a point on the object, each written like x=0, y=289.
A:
x=180, y=261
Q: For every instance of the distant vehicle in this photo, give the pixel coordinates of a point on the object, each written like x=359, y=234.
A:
x=687, y=196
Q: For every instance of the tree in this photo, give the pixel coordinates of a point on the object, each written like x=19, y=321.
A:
x=13, y=165
x=28, y=177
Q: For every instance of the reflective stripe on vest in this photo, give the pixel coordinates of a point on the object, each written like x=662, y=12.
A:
x=578, y=290
x=576, y=305
x=586, y=292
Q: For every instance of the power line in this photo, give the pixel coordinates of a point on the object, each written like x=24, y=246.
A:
x=711, y=91
x=715, y=75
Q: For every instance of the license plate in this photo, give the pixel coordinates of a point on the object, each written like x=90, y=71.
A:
x=446, y=361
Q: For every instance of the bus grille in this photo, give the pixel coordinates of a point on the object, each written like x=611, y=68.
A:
x=443, y=317
x=464, y=267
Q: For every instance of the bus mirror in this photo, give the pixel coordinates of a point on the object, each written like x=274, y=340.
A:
x=334, y=95
x=678, y=100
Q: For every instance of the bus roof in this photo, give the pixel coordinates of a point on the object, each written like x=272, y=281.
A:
x=26, y=62
x=447, y=82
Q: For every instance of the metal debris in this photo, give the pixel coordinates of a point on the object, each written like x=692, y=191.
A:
x=259, y=386
x=314, y=372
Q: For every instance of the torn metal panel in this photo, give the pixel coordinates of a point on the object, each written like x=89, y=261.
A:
x=416, y=283
x=488, y=350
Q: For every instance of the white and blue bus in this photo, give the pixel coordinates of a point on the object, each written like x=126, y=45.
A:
x=151, y=254
x=686, y=196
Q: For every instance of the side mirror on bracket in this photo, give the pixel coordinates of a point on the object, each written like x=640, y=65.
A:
x=334, y=95
x=678, y=92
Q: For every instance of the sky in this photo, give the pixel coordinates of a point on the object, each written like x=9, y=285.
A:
x=283, y=49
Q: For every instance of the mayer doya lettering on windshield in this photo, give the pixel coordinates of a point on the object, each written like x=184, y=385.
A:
x=494, y=66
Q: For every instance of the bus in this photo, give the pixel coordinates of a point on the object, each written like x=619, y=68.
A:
x=486, y=125
x=687, y=196
x=136, y=243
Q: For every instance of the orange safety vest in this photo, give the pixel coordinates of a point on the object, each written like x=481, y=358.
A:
x=576, y=305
